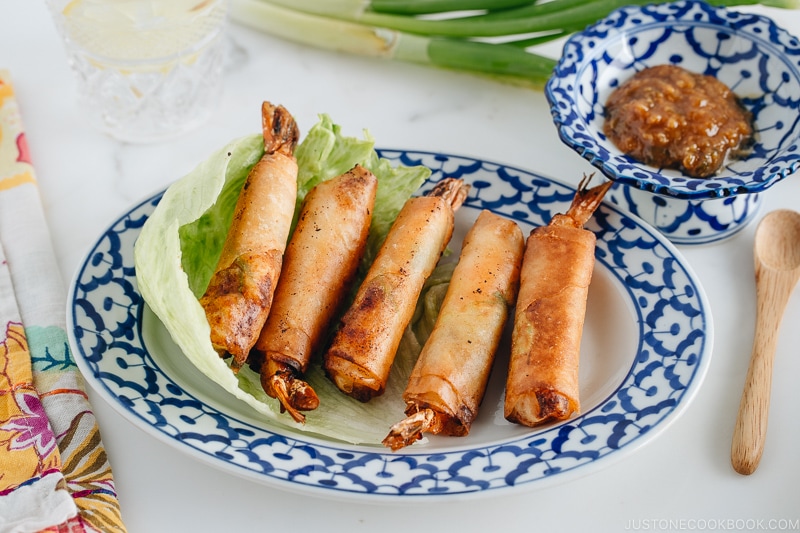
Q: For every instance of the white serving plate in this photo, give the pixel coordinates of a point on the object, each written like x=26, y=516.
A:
x=645, y=351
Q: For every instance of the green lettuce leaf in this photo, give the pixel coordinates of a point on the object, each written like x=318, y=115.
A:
x=177, y=251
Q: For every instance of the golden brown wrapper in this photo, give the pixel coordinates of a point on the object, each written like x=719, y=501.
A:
x=363, y=349
x=239, y=294
x=556, y=272
x=320, y=263
x=453, y=368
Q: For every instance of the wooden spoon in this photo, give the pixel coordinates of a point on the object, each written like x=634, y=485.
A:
x=777, y=267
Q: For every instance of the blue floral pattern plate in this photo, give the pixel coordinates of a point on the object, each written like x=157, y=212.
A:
x=645, y=351
x=752, y=55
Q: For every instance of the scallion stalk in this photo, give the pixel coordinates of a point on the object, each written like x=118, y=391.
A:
x=536, y=18
x=536, y=9
x=502, y=60
x=573, y=18
x=494, y=41
x=508, y=63
x=427, y=7
x=321, y=31
x=528, y=42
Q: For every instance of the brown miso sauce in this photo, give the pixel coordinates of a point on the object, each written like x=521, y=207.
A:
x=668, y=117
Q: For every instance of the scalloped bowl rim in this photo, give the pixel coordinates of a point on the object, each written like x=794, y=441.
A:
x=635, y=173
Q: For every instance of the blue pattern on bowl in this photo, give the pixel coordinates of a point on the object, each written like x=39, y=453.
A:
x=757, y=59
x=690, y=221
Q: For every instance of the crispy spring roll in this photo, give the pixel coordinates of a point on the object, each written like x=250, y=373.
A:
x=542, y=383
x=238, y=297
x=363, y=349
x=319, y=265
x=449, y=378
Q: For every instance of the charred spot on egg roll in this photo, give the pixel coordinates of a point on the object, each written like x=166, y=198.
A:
x=239, y=294
x=320, y=263
x=449, y=379
x=542, y=383
x=363, y=349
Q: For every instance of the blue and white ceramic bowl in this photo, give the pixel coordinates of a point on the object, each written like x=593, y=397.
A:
x=752, y=55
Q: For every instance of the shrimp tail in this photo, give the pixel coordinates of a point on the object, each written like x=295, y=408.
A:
x=453, y=190
x=280, y=130
x=294, y=394
x=584, y=204
x=410, y=429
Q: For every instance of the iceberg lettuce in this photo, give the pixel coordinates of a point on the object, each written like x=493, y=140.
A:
x=176, y=254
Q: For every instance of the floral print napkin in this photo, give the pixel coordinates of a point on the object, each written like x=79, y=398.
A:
x=54, y=473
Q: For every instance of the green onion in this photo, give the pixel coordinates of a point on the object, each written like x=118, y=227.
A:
x=495, y=59
x=322, y=31
x=427, y=7
x=538, y=39
x=490, y=37
x=506, y=63
x=537, y=18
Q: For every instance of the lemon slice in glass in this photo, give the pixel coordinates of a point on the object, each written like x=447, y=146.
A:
x=139, y=30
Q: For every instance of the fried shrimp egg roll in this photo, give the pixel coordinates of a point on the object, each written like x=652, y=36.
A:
x=363, y=349
x=320, y=263
x=449, y=378
x=542, y=383
x=238, y=297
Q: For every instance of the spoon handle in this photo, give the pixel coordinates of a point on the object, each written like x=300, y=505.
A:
x=750, y=430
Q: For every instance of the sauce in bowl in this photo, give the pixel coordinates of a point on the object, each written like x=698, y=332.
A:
x=668, y=117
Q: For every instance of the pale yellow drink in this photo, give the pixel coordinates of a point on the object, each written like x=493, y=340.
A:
x=146, y=69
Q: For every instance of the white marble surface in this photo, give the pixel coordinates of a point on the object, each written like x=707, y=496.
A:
x=681, y=479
